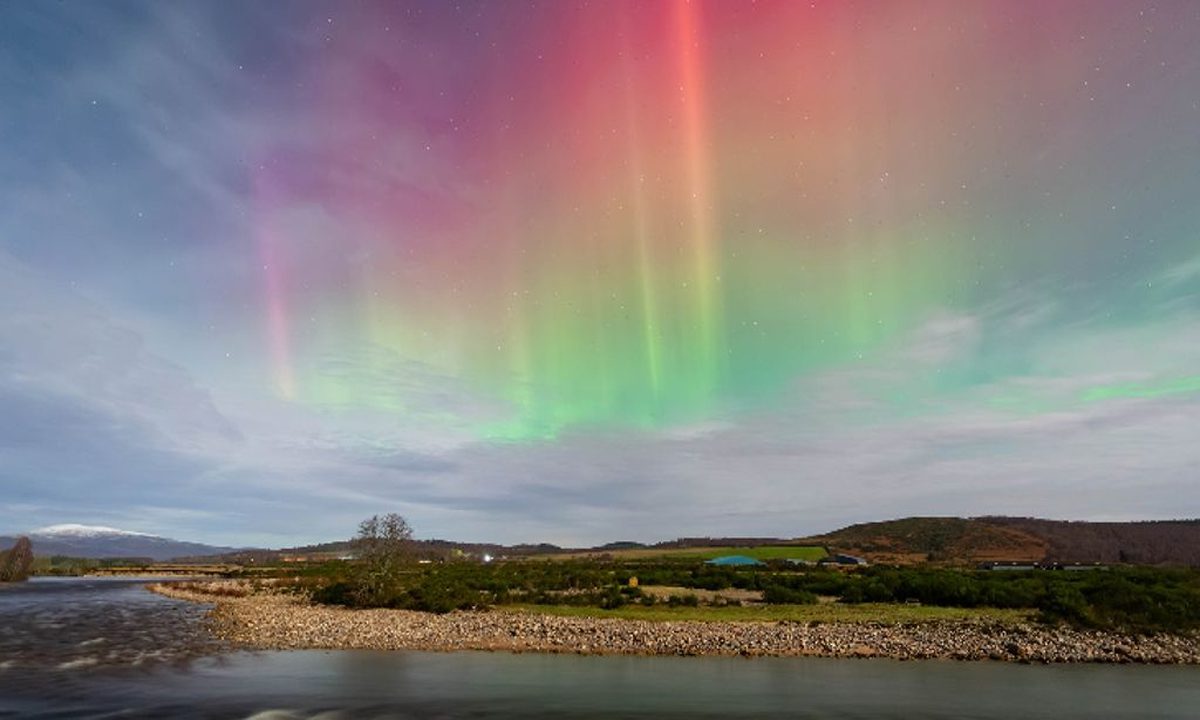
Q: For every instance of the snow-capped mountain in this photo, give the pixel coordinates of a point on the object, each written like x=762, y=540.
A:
x=98, y=541
x=75, y=530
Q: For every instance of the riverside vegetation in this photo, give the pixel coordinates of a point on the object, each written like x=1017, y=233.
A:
x=1120, y=599
x=385, y=598
x=1140, y=600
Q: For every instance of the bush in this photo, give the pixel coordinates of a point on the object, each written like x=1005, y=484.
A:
x=1064, y=602
x=612, y=599
x=338, y=593
x=439, y=598
x=778, y=594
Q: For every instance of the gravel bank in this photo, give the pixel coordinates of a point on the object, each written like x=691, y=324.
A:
x=272, y=621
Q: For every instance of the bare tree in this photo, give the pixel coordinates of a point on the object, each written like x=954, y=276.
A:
x=384, y=545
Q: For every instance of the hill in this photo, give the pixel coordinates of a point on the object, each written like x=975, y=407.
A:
x=970, y=540
x=1140, y=543
x=935, y=539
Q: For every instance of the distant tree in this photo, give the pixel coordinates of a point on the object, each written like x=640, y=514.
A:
x=383, y=545
x=16, y=563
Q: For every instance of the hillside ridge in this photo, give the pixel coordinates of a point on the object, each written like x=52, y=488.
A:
x=996, y=538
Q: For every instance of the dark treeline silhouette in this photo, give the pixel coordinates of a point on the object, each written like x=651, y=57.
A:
x=16, y=563
x=425, y=549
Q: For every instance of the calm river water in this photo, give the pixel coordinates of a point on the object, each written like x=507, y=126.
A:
x=107, y=648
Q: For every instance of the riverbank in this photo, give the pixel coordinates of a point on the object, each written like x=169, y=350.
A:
x=272, y=621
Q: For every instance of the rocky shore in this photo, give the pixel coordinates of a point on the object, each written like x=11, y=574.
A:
x=279, y=621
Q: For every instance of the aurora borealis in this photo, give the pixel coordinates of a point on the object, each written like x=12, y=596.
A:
x=536, y=270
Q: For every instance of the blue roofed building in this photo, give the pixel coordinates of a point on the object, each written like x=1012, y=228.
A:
x=734, y=560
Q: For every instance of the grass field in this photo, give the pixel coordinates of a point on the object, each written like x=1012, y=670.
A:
x=759, y=552
x=825, y=612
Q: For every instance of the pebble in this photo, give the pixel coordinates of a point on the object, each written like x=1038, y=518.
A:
x=281, y=621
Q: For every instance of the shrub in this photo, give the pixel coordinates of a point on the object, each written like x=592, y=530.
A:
x=778, y=594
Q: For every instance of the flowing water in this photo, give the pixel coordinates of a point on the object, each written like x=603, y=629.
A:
x=107, y=648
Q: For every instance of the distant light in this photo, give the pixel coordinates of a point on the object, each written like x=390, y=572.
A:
x=487, y=558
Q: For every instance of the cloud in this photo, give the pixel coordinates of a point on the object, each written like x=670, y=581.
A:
x=140, y=189
x=943, y=338
x=1183, y=273
x=89, y=414
x=373, y=376
x=56, y=344
x=410, y=462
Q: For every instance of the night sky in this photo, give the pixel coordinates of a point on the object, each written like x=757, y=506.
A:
x=580, y=272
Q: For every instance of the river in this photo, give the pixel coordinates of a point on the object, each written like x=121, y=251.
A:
x=92, y=647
